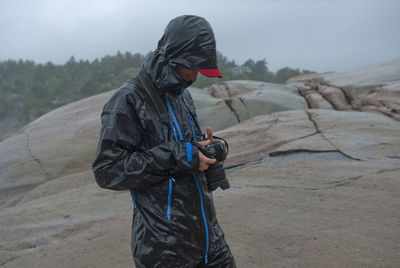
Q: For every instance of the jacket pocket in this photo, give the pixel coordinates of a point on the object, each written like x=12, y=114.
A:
x=169, y=201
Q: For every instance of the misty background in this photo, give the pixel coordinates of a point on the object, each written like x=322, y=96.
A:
x=319, y=35
x=56, y=52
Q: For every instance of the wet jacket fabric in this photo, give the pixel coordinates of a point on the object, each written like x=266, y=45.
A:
x=149, y=152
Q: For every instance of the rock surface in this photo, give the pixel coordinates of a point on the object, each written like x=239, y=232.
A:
x=370, y=88
x=309, y=187
x=227, y=103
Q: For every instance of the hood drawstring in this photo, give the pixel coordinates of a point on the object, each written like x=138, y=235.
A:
x=181, y=93
x=161, y=82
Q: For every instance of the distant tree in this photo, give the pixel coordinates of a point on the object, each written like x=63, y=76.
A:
x=284, y=74
x=223, y=62
x=307, y=72
x=137, y=60
x=260, y=71
x=249, y=63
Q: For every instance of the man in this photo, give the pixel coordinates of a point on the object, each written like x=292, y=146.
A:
x=146, y=146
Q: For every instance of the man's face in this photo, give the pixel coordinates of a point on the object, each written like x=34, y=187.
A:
x=188, y=75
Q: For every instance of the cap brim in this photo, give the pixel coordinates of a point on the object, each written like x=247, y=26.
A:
x=211, y=72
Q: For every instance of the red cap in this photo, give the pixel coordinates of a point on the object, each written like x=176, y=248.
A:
x=211, y=72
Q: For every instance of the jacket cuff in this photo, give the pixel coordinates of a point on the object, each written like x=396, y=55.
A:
x=192, y=155
x=188, y=158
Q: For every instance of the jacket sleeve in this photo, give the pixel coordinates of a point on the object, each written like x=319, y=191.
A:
x=118, y=163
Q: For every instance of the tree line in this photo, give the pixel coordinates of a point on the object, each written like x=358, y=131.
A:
x=28, y=89
x=249, y=70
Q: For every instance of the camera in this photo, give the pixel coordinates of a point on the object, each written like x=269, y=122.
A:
x=215, y=173
x=215, y=150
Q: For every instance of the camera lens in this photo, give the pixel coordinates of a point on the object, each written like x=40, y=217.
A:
x=216, y=177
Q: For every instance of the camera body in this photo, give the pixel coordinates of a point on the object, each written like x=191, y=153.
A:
x=215, y=150
x=215, y=173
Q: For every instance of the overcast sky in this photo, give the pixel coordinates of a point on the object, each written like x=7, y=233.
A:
x=321, y=35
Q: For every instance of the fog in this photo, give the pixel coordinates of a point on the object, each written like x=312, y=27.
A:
x=319, y=35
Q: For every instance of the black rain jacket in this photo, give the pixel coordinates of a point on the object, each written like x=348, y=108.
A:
x=150, y=153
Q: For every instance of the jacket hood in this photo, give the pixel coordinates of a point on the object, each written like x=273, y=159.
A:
x=189, y=43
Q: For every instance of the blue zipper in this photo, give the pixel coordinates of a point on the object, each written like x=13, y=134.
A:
x=201, y=197
x=173, y=130
x=171, y=180
x=133, y=199
x=194, y=176
x=173, y=117
x=204, y=216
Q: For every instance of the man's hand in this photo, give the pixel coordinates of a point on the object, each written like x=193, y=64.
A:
x=205, y=162
x=211, y=138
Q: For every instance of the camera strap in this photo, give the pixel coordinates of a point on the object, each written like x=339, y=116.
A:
x=151, y=91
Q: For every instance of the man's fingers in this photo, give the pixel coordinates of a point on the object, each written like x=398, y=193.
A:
x=209, y=133
x=209, y=161
x=203, y=166
x=205, y=162
x=205, y=159
x=205, y=143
